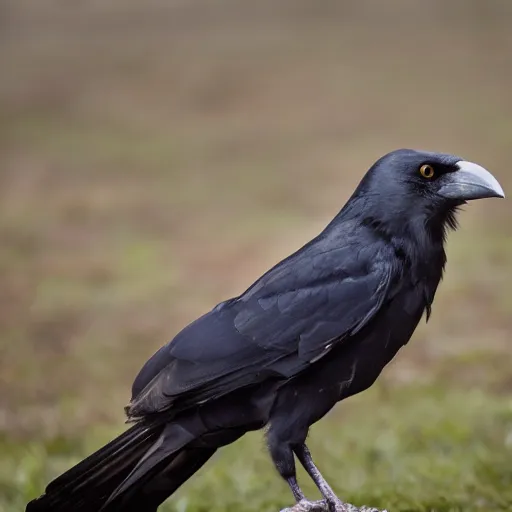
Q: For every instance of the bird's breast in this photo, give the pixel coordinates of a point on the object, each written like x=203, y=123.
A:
x=358, y=362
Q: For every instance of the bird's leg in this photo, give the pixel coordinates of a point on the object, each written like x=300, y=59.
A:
x=303, y=505
x=282, y=455
x=333, y=502
x=296, y=490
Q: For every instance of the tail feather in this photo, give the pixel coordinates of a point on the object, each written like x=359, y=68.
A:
x=149, y=490
x=102, y=460
x=86, y=486
x=171, y=441
x=138, y=470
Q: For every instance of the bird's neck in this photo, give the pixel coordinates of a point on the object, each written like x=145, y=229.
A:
x=417, y=238
x=419, y=245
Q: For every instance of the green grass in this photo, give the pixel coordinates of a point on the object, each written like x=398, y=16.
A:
x=143, y=179
x=416, y=449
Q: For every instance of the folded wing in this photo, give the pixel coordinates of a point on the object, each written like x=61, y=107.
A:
x=286, y=321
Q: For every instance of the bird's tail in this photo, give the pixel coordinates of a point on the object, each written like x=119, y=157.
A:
x=136, y=471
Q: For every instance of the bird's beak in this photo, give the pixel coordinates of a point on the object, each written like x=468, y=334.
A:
x=470, y=181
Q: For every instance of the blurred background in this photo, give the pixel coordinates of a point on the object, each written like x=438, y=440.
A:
x=158, y=156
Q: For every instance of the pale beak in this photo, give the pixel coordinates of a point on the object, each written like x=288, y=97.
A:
x=470, y=181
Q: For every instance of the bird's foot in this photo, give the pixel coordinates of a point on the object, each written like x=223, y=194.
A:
x=322, y=506
x=308, y=506
x=336, y=505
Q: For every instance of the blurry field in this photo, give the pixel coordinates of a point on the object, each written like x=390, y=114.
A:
x=157, y=157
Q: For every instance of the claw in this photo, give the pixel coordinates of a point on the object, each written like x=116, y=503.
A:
x=323, y=506
x=336, y=505
x=308, y=506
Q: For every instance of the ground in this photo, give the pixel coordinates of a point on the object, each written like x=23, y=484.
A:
x=157, y=157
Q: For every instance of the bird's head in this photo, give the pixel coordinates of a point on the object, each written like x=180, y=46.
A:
x=422, y=187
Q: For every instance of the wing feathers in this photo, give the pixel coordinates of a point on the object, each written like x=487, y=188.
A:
x=283, y=323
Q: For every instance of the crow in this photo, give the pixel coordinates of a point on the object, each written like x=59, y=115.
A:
x=318, y=327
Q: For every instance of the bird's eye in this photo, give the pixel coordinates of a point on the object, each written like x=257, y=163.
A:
x=427, y=171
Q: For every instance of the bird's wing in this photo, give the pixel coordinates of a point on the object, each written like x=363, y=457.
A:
x=286, y=321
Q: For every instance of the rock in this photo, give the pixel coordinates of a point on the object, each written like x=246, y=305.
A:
x=320, y=506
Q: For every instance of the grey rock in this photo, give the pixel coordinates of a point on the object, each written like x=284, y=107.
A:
x=320, y=506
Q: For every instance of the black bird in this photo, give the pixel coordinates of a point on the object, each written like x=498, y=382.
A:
x=317, y=328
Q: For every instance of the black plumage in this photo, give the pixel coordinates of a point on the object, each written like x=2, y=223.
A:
x=317, y=328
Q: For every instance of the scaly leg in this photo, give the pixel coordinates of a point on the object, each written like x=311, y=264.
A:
x=333, y=502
